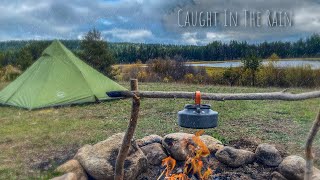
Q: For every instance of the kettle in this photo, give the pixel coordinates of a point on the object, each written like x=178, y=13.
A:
x=197, y=116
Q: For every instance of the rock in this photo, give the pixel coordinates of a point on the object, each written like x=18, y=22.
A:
x=75, y=167
x=68, y=176
x=177, y=144
x=277, y=176
x=212, y=143
x=149, y=140
x=154, y=152
x=292, y=167
x=99, y=160
x=268, y=155
x=316, y=174
x=234, y=157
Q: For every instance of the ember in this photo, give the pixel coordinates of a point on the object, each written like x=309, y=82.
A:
x=193, y=164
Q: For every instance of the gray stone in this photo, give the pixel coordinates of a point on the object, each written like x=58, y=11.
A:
x=149, y=140
x=155, y=153
x=212, y=143
x=277, y=176
x=234, y=157
x=268, y=155
x=75, y=167
x=316, y=174
x=99, y=160
x=292, y=167
x=177, y=145
x=68, y=176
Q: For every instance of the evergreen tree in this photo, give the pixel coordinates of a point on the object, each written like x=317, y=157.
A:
x=252, y=63
x=24, y=58
x=2, y=58
x=96, y=53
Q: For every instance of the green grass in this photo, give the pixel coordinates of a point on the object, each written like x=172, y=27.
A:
x=31, y=140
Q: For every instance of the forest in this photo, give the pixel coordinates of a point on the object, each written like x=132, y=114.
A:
x=19, y=52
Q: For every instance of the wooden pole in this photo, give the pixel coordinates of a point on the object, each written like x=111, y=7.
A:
x=126, y=142
x=282, y=95
x=308, y=150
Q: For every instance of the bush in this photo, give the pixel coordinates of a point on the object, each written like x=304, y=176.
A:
x=9, y=73
x=161, y=68
x=231, y=76
x=269, y=75
x=189, y=78
x=167, y=70
x=302, y=76
x=136, y=70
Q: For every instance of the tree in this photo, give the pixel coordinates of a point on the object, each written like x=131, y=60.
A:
x=24, y=58
x=252, y=63
x=2, y=58
x=96, y=53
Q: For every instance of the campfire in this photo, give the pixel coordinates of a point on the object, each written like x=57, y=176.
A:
x=193, y=165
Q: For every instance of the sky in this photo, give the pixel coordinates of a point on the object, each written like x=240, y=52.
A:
x=157, y=21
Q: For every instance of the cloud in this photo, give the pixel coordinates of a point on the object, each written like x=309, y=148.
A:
x=190, y=38
x=147, y=21
x=307, y=19
x=125, y=35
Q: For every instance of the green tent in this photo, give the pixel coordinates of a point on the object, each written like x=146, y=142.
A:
x=58, y=77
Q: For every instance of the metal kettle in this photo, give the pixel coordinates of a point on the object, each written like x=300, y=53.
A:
x=197, y=116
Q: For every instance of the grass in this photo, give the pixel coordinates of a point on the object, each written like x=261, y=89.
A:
x=33, y=143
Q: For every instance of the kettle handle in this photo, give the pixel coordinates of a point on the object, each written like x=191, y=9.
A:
x=197, y=98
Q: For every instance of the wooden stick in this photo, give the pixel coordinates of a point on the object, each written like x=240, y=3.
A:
x=126, y=142
x=308, y=151
x=162, y=174
x=282, y=95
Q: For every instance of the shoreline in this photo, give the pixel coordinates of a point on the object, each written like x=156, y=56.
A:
x=237, y=60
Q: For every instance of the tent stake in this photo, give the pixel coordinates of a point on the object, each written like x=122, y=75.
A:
x=126, y=142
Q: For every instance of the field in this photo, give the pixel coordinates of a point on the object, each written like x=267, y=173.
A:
x=32, y=143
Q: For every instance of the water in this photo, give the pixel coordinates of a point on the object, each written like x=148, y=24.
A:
x=315, y=64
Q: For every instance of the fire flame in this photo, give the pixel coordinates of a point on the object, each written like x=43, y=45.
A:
x=193, y=164
x=170, y=163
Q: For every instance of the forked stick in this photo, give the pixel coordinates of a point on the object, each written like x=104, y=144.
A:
x=126, y=142
x=309, y=156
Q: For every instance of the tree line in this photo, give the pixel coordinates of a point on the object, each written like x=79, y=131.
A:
x=21, y=52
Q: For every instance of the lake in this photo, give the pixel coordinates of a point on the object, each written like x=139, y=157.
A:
x=315, y=64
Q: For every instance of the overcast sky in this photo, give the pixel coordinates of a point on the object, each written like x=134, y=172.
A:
x=151, y=21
